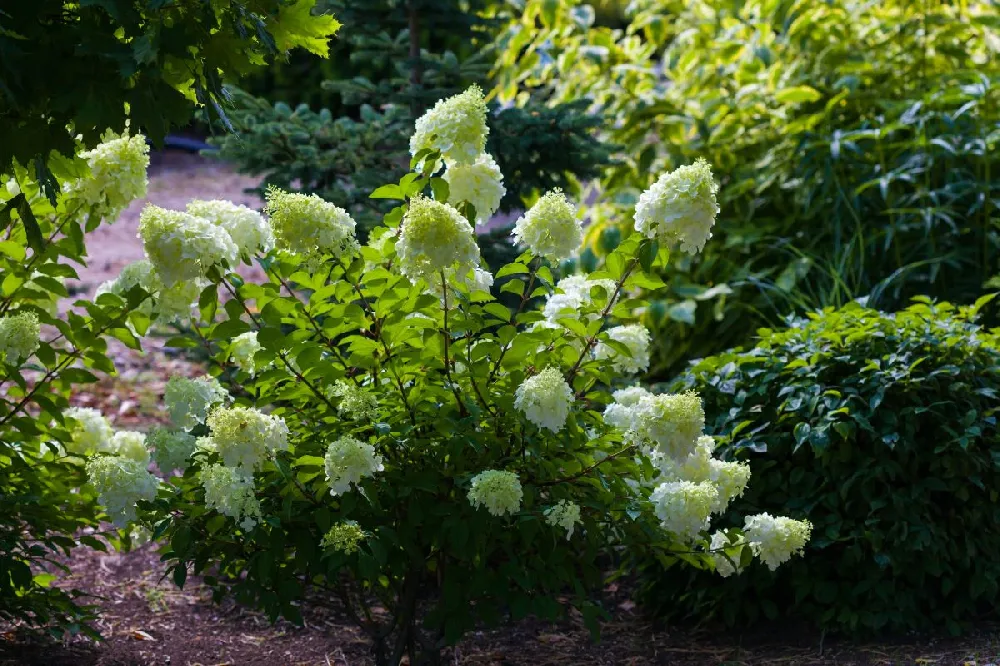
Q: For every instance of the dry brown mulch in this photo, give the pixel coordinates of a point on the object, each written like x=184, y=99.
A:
x=147, y=621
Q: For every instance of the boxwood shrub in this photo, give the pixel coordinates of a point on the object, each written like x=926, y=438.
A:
x=881, y=429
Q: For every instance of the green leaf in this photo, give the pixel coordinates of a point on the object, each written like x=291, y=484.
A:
x=388, y=192
x=797, y=95
x=297, y=26
x=647, y=254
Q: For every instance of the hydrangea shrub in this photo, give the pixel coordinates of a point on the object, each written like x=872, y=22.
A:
x=47, y=447
x=393, y=435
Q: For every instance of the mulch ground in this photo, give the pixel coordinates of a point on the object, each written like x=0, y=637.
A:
x=146, y=621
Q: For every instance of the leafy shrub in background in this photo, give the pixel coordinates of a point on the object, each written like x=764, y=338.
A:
x=395, y=74
x=855, y=143
x=881, y=429
x=44, y=356
x=98, y=65
x=396, y=437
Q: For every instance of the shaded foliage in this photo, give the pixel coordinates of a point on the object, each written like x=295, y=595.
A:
x=852, y=141
x=881, y=429
x=92, y=66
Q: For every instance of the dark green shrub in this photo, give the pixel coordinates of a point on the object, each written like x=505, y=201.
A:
x=95, y=65
x=881, y=429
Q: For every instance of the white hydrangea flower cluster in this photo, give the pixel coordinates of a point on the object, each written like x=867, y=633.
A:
x=434, y=237
x=669, y=423
x=347, y=462
x=232, y=494
x=550, y=228
x=355, y=402
x=545, y=399
x=307, y=226
x=499, y=491
x=729, y=478
x=680, y=207
x=455, y=127
x=244, y=225
x=684, y=507
x=243, y=436
x=566, y=515
x=573, y=293
x=636, y=338
x=479, y=183
x=345, y=537
x=242, y=351
x=776, y=539
x=117, y=175
x=182, y=246
x=19, y=337
x=120, y=483
x=130, y=444
x=171, y=448
x=189, y=400
x=90, y=431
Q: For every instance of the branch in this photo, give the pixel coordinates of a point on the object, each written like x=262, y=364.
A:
x=588, y=470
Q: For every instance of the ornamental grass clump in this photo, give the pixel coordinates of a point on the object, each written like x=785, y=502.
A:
x=390, y=432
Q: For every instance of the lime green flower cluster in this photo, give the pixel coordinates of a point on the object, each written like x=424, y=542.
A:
x=231, y=493
x=244, y=436
x=566, y=515
x=130, y=444
x=497, y=490
x=243, y=350
x=435, y=238
x=355, y=401
x=19, y=337
x=545, y=399
x=189, y=400
x=636, y=338
x=307, y=226
x=550, y=228
x=479, y=183
x=90, y=431
x=775, y=539
x=245, y=226
x=344, y=537
x=182, y=246
x=171, y=448
x=455, y=127
x=120, y=483
x=117, y=175
x=348, y=461
x=680, y=208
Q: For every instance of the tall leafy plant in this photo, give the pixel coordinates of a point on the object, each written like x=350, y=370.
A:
x=853, y=140
x=45, y=357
